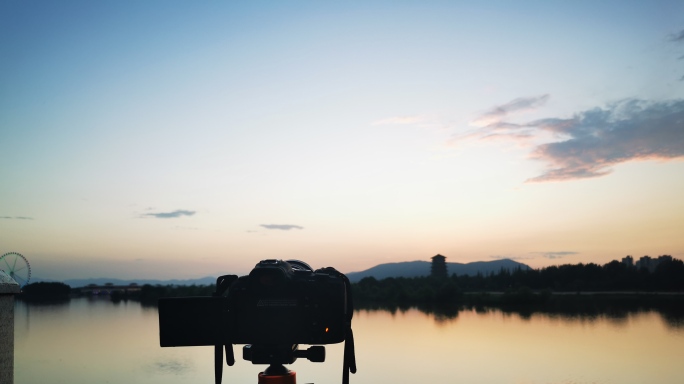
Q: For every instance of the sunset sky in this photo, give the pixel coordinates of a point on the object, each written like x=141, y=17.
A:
x=178, y=139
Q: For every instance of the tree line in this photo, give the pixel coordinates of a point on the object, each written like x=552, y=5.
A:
x=518, y=286
x=615, y=276
x=45, y=290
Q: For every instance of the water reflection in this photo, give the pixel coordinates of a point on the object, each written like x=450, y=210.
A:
x=488, y=344
x=443, y=312
x=581, y=309
x=673, y=318
x=86, y=341
x=172, y=365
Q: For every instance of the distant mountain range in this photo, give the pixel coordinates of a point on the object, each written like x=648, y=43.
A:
x=422, y=268
x=381, y=271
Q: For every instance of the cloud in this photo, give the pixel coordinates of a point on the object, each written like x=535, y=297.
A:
x=676, y=37
x=282, y=227
x=499, y=112
x=16, y=218
x=590, y=143
x=556, y=255
x=600, y=138
x=169, y=215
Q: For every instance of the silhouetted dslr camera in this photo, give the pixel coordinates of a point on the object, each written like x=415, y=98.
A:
x=279, y=305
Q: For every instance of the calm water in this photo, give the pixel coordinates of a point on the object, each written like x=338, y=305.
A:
x=97, y=341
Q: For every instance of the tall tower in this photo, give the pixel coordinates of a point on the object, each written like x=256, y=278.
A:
x=439, y=267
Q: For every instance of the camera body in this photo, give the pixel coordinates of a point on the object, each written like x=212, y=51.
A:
x=285, y=303
x=278, y=303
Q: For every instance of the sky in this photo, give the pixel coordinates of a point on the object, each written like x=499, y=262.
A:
x=177, y=139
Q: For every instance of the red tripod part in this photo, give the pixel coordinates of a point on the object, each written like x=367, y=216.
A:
x=286, y=378
x=277, y=374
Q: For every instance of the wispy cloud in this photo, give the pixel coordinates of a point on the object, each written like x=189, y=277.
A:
x=601, y=138
x=169, y=215
x=16, y=217
x=556, y=255
x=677, y=37
x=591, y=142
x=282, y=227
x=498, y=113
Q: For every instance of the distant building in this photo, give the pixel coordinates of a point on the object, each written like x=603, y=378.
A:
x=650, y=263
x=628, y=261
x=645, y=262
x=665, y=258
x=439, y=267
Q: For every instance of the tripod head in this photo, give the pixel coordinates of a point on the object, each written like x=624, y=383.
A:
x=276, y=356
x=273, y=355
x=281, y=354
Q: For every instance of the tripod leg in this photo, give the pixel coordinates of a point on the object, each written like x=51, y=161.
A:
x=218, y=363
x=230, y=358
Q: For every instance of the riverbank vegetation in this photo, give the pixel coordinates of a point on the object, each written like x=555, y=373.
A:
x=524, y=286
x=550, y=286
x=45, y=291
x=545, y=286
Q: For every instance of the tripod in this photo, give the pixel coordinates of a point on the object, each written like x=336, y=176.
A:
x=273, y=355
x=276, y=356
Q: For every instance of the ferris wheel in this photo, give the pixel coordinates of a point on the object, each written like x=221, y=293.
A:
x=16, y=266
